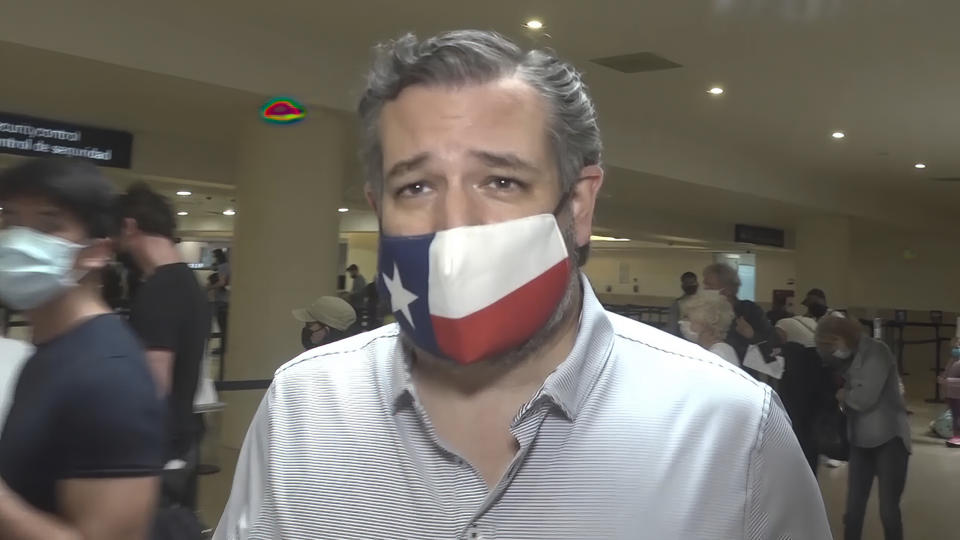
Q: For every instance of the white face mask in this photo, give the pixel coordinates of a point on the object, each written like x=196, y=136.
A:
x=686, y=329
x=842, y=354
x=35, y=267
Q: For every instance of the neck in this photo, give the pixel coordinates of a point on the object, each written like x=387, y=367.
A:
x=154, y=252
x=707, y=341
x=522, y=376
x=65, y=312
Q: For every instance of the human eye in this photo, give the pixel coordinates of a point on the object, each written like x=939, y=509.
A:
x=413, y=189
x=505, y=184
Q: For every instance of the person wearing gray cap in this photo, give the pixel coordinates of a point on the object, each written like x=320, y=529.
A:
x=326, y=320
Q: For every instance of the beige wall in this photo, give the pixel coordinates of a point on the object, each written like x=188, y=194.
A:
x=775, y=270
x=882, y=275
x=658, y=271
x=362, y=251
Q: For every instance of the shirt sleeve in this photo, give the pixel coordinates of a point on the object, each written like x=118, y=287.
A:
x=249, y=513
x=762, y=329
x=783, y=498
x=866, y=382
x=155, y=318
x=113, y=424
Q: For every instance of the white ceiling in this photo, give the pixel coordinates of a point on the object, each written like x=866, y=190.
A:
x=883, y=71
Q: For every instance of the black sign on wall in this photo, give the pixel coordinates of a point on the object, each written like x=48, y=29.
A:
x=762, y=236
x=37, y=137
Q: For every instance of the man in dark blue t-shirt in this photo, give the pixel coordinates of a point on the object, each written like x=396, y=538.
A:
x=81, y=449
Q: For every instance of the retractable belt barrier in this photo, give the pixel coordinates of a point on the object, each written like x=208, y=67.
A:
x=898, y=344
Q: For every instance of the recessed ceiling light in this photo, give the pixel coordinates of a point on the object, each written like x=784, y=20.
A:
x=716, y=90
x=230, y=212
x=534, y=24
x=184, y=193
x=181, y=213
x=838, y=135
x=921, y=166
x=343, y=210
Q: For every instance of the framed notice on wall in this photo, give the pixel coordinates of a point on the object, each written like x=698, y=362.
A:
x=38, y=137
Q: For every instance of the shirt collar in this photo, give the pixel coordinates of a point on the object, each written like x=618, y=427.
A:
x=568, y=386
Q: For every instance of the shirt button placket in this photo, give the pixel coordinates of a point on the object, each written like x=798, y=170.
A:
x=473, y=533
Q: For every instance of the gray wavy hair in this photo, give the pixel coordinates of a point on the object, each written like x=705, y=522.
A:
x=475, y=57
x=711, y=310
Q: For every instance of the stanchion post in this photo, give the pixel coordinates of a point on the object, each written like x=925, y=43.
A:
x=900, y=347
x=936, y=368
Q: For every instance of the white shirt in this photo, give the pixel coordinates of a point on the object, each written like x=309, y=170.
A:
x=799, y=329
x=638, y=434
x=13, y=354
x=725, y=351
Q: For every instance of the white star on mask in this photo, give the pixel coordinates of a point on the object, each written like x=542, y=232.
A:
x=400, y=298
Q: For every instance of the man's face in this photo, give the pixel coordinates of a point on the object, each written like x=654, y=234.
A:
x=472, y=155
x=689, y=285
x=475, y=155
x=42, y=215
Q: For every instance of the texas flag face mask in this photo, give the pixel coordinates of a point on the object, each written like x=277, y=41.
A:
x=472, y=292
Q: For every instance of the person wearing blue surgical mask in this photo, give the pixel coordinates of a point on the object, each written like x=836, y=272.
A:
x=877, y=424
x=81, y=448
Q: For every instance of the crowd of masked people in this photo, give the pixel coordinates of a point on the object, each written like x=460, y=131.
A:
x=100, y=437
x=840, y=387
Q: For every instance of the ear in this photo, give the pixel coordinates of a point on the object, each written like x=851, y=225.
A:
x=583, y=200
x=95, y=256
x=372, y=198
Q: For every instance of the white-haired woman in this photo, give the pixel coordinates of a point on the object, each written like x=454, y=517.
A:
x=707, y=317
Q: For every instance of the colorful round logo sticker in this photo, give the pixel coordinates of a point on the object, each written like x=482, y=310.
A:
x=282, y=111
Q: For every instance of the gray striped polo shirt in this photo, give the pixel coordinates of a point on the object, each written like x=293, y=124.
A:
x=637, y=434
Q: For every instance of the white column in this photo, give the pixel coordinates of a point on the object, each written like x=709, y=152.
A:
x=284, y=253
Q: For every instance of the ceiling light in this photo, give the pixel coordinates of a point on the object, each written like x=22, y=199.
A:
x=181, y=213
x=343, y=210
x=184, y=193
x=534, y=24
x=230, y=212
x=594, y=238
x=921, y=166
x=716, y=90
x=838, y=135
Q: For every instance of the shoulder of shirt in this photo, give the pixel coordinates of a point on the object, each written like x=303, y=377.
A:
x=353, y=349
x=662, y=351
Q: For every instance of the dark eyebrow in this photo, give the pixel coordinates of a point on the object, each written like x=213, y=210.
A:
x=504, y=161
x=402, y=167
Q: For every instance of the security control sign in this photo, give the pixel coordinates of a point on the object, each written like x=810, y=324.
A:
x=36, y=137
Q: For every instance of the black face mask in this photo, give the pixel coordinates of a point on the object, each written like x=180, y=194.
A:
x=817, y=310
x=690, y=289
